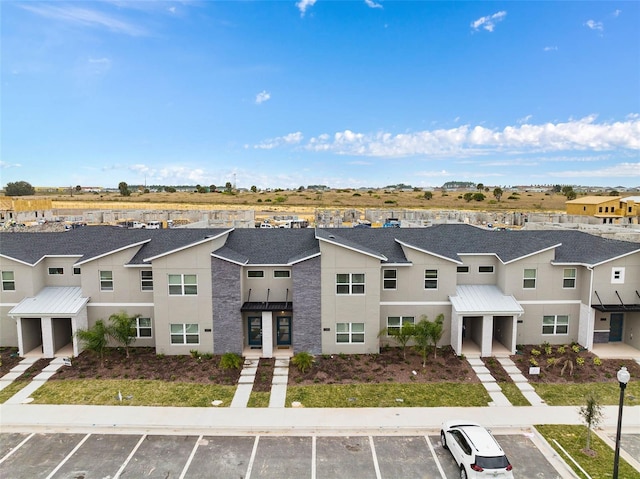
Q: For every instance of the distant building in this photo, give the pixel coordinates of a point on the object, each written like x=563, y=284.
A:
x=610, y=209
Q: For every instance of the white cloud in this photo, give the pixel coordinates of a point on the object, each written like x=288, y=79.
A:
x=271, y=143
x=372, y=4
x=6, y=165
x=593, y=25
x=302, y=5
x=489, y=22
x=525, y=119
x=616, y=13
x=551, y=49
x=262, y=97
x=621, y=170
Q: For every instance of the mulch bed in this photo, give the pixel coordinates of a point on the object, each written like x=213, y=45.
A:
x=9, y=358
x=264, y=375
x=496, y=370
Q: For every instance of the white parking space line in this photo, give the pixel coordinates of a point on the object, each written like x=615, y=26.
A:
x=375, y=458
x=252, y=458
x=313, y=457
x=8, y=455
x=193, y=453
x=128, y=459
x=73, y=451
x=435, y=457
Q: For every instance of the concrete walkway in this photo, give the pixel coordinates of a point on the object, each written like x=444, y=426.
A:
x=245, y=383
x=521, y=382
x=279, y=383
x=25, y=393
x=17, y=371
x=489, y=382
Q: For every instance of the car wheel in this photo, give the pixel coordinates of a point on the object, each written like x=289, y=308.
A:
x=443, y=440
x=463, y=473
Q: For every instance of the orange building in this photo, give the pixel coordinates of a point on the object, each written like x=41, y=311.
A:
x=611, y=209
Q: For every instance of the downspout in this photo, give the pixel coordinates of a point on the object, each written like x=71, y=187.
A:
x=590, y=323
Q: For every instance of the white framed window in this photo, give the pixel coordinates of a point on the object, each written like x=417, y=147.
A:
x=55, y=271
x=350, y=283
x=185, y=333
x=569, y=278
x=389, y=279
x=430, y=279
x=485, y=269
x=394, y=323
x=462, y=269
x=617, y=275
x=555, y=324
x=350, y=333
x=255, y=273
x=183, y=284
x=143, y=328
x=106, y=280
x=529, y=278
x=8, y=281
x=146, y=280
x=281, y=273
x=77, y=271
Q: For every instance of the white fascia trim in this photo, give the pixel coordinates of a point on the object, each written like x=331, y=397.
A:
x=381, y=257
x=19, y=260
x=133, y=245
x=137, y=265
x=415, y=248
x=191, y=245
x=8, y=305
x=415, y=303
x=552, y=301
x=615, y=258
x=396, y=265
x=532, y=254
x=229, y=260
x=121, y=305
x=303, y=259
x=46, y=256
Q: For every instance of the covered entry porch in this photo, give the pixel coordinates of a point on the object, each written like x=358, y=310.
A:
x=481, y=316
x=47, y=322
x=267, y=329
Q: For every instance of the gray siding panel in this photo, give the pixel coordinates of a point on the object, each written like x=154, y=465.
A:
x=307, y=325
x=226, y=297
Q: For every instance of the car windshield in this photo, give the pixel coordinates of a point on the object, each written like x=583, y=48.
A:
x=494, y=462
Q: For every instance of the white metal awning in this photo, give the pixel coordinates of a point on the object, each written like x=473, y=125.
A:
x=484, y=299
x=51, y=302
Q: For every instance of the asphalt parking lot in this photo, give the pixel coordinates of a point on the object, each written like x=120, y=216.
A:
x=100, y=456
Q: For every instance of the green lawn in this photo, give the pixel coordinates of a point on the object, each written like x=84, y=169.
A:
x=574, y=439
x=513, y=394
x=259, y=399
x=574, y=394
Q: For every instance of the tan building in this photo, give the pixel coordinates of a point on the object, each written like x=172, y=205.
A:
x=610, y=209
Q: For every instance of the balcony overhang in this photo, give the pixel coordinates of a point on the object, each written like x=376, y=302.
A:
x=267, y=306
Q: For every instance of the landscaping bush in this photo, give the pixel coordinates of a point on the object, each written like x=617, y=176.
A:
x=231, y=361
x=303, y=361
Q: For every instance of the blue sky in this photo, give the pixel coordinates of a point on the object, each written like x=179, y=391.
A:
x=341, y=93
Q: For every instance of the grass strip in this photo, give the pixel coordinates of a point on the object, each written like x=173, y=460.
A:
x=574, y=394
x=259, y=399
x=513, y=394
x=574, y=439
x=389, y=395
x=135, y=392
x=12, y=389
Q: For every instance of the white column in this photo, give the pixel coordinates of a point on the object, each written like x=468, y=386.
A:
x=514, y=334
x=47, y=337
x=267, y=334
x=487, y=336
x=456, y=332
x=21, y=350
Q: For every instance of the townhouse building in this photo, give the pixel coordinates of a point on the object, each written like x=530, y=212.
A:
x=323, y=291
x=608, y=209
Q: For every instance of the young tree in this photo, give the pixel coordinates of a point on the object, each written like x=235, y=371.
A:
x=591, y=414
x=95, y=339
x=124, y=189
x=402, y=335
x=19, y=188
x=497, y=193
x=436, y=330
x=123, y=329
x=428, y=195
x=422, y=338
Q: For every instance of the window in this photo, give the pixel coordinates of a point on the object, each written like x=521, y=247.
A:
x=281, y=273
x=430, y=279
x=252, y=273
x=555, y=324
x=617, y=275
x=185, y=333
x=569, y=278
x=143, y=328
x=462, y=269
x=485, y=269
x=350, y=283
x=106, y=280
x=389, y=279
x=146, y=280
x=394, y=323
x=56, y=270
x=350, y=333
x=8, y=281
x=76, y=270
x=529, y=281
x=183, y=284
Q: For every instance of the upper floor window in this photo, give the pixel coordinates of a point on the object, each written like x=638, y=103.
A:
x=183, y=284
x=389, y=279
x=485, y=269
x=8, y=281
x=462, y=269
x=617, y=275
x=281, y=273
x=529, y=281
x=394, y=323
x=430, y=279
x=143, y=327
x=350, y=332
x=146, y=280
x=569, y=278
x=350, y=283
x=76, y=270
x=254, y=273
x=558, y=324
x=185, y=333
x=106, y=280
x=56, y=270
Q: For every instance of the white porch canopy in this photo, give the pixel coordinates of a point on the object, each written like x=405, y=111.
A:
x=64, y=301
x=481, y=299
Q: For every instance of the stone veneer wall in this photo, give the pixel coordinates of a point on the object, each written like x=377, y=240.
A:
x=226, y=293
x=307, y=327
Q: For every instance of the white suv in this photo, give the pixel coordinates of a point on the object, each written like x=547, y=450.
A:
x=475, y=451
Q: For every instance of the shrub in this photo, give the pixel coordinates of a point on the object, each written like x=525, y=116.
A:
x=575, y=348
x=547, y=348
x=231, y=361
x=562, y=349
x=533, y=362
x=580, y=361
x=303, y=361
x=551, y=361
x=535, y=352
x=194, y=353
x=597, y=361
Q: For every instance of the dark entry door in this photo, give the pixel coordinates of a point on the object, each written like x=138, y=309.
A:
x=615, y=327
x=283, y=325
x=254, y=327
